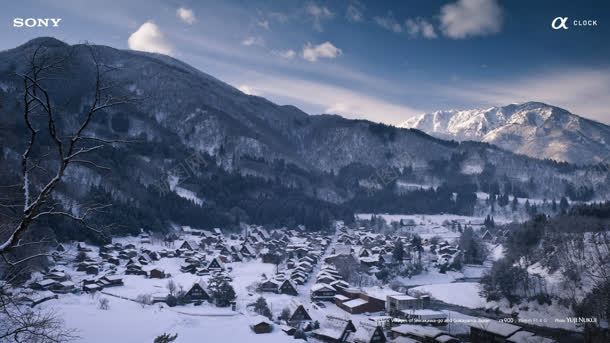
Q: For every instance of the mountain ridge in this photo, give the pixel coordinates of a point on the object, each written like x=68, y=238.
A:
x=532, y=128
x=265, y=163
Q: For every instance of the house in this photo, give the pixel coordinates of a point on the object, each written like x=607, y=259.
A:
x=247, y=250
x=334, y=329
x=419, y=333
x=287, y=287
x=396, y=303
x=424, y=316
x=367, y=333
x=37, y=298
x=156, y=273
x=216, y=264
x=111, y=280
x=90, y=286
x=322, y=291
x=188, y=245
x=324, y=277
x=260, y=324
x=43, y=284
x=491, y=331
x=528, y=337
x=355, y=306
x=196, y=293
x=92, y=270
x=298, y=314
x=64, y=287
x=269, y=286
x=339, y=284
x=374, y=300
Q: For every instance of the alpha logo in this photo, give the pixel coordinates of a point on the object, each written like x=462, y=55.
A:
x=562, y=23
x=36, y=22
x=559, y=23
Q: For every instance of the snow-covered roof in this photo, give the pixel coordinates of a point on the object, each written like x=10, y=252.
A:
x=355, y=303
x=364, y=333
x=320, y=286
x=380, y=293
x=402, y=297
x=417, y=330
x=332, y=327
x=259, y=320
x=501, y=329
x=340, y=297
x=528, y=337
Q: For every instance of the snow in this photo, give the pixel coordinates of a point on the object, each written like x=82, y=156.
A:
x=127, y=321
x=189, y=195
x=464, y=294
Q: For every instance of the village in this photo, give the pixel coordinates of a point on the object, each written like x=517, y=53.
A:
x=346, y=284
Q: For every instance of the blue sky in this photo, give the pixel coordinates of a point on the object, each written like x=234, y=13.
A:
x=380, y=60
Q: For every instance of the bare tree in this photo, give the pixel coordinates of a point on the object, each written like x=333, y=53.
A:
x=20, y=323
x=171, y=286
x=66, y=149
x=43, y=167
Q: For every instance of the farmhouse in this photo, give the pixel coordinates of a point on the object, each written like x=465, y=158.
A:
x=216, y=264
x=397, y=303
x=491, y=331
x=260, y=324
x=269, y=286
x=419, y=333
x=287, y=288
x=298, y=314
x=367, y=333
x=322, y=291
x=196, y=293
x=334, y=329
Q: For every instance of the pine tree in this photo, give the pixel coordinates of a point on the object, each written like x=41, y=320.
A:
x=165, y=338
x=399, y=251
x=261, y=307
x=221, y=291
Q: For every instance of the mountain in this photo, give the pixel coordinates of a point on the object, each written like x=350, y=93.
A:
x=259, y=162
x=532, y=128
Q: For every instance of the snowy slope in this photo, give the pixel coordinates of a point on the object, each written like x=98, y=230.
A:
x=533, y=128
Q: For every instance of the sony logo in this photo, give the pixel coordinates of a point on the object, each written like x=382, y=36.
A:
x=36, y=22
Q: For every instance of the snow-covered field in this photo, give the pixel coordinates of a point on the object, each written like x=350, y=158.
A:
x=127, y=321
x=458, y=293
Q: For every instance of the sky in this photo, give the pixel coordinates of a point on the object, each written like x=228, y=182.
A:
x=385, y=61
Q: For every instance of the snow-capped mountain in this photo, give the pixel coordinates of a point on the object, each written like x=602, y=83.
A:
x=533, y=128
x=264, y=162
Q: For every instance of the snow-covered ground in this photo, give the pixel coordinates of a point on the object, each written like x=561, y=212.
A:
x=127, y=321
x=458, y=293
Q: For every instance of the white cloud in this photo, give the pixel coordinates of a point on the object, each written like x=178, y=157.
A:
x=585, y=92
x=334, y=99
x=287, y=54
x=263, y=23
x=355, y=12
x=253, y=41
x=186, y=15
x=278, y=16
x=248, y=90
x=421, y=26
x=149, y=38
x=389, y=23
x=318, y=14
x=469, y=18
x=325, y=50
